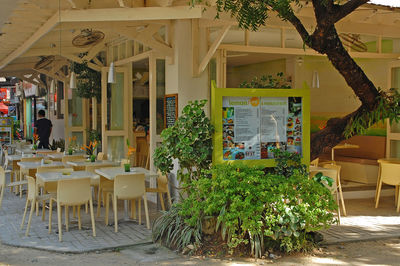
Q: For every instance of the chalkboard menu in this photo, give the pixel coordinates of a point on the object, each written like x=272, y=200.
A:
x=170, y=109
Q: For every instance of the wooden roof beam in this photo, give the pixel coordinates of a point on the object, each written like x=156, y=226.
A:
x=45, y=28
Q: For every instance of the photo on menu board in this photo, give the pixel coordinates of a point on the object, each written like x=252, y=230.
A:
x=252, y=127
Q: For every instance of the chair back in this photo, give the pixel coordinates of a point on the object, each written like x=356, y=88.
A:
x=58, y=169
x=73, y=191
x=129, y=186
x=5, y=165
x=315, y=162
x=162, y=182
x=390, y=173
x=91, y=168
x=31, y=188
x=101, y=156
x=2, y=177
x=335, y=177
x=72, y=158
x=31, y=159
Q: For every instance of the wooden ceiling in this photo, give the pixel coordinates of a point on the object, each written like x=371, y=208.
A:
x=42, y=27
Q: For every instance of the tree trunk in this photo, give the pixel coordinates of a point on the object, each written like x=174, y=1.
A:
x=328, y=42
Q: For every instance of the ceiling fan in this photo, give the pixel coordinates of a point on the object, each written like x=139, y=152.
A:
x=87, y=37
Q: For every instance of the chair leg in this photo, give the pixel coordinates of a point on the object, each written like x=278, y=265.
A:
x=92, y=216
x=338, y=204
x=342, y=199
x=79, y=218
x=140, y=211
x=37, y=208
x=396, y=194
x=115, y=209
x=66, y=218
x=161, y=200
x=169, y=198
x=23, y=217
x=43, y=210
x=1, y=195
x=11, y=180
x=379, y=193
x=377, y=181
x=86, y=208
x=398, y=203
x=133, y=209
x=59, y=222
x=146, y=211
x=33, y=204
x=50, y=213
x=98, y=202
x=107, y=208
x=73, y=211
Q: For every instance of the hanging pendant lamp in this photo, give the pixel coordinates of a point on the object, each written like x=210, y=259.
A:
x=52, y=85
x=111, y=73
x=72, y=81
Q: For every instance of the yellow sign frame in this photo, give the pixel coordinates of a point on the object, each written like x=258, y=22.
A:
x=217, y=95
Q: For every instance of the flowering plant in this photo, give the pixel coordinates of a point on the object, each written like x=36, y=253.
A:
x=35, y=141
x=90, y=148
x=72, y=145
x=131, y=150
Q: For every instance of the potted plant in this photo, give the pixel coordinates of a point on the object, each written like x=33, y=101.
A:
x=71, y=145
x=35, y=142
x=126, y=162
x=90, y=149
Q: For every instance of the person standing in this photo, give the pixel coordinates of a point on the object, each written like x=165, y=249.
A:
x=43, y=127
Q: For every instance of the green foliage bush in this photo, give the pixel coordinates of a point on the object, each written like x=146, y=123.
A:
x=188, y=141
x=254, y=207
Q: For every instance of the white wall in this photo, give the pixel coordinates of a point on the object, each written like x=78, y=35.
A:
x=179, y=77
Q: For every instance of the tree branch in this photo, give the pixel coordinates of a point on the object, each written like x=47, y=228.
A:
x=344, y=10
x=300, y=28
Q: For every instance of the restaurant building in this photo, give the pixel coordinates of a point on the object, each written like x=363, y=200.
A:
x=163, y=54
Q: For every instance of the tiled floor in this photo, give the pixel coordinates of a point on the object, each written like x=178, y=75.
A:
x=364, y=222
x=75, y=241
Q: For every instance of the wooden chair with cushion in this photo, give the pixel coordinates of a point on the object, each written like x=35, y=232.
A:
x=389, y=174
x=72, y=192
x=162, y=187
x=33, y=198
x=127, y=187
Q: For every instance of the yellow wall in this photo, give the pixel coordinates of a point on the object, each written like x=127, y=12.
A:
x=334, y=95
x=236, y=75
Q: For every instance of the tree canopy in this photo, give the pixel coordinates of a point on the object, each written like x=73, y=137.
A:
x=376, y=105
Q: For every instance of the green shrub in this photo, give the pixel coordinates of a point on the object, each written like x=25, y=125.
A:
x=189, y=141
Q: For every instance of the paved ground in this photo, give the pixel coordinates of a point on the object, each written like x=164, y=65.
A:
x=75, y=241
x=364, y=222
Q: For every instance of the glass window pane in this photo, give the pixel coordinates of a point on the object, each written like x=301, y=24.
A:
x=75, y=116
x=115, y=148
x=115, y=103
x=79, y=138
x=160, y=66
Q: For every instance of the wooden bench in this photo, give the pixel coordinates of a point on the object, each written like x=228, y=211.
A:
x=360, y=165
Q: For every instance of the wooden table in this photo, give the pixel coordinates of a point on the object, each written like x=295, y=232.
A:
x=31, y=167
x=343, y=146
x=59, y=155
x=56, y=176
x=31, y=151
x=111, y=172
x=78, y=165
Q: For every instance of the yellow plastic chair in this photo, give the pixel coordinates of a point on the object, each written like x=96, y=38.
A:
x=72, y=158
x=33, y=198
x=390, y=174
x=127, y=187
x=2, y=184
x=95, y=183
x=162, y=187
x=315, y=162
x=72, y=192
x=101, y=156
x=338, y=184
